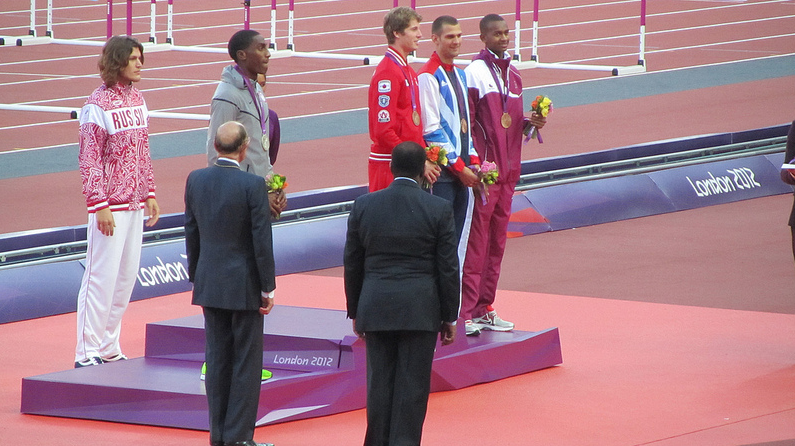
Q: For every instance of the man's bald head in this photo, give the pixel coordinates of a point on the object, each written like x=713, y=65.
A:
x=230, y=138
x=408, y=160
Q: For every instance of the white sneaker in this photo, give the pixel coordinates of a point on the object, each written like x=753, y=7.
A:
x=490, y=321
x=94, y=360
x=471, y=328
x=114, y=358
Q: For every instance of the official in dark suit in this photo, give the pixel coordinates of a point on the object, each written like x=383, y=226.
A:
x=401, y=285
x=230, y=262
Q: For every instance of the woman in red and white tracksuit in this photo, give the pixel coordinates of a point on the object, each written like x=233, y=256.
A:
x=118, y=183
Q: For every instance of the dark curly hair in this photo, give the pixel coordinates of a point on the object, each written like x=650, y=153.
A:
x=115, y=57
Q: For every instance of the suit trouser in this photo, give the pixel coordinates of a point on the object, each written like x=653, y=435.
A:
x=233, y=352
x=398, y=383
x=112, y=264
x=485, y=249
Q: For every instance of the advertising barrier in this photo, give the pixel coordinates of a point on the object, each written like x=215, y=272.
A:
x=32, y=290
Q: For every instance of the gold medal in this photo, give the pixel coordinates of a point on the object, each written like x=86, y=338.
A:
x=505, y=120
x=416, y=117
x=266, y=142
x=463, y=125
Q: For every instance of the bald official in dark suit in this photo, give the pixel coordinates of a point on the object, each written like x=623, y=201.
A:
x=230, y=262
x=401, y=285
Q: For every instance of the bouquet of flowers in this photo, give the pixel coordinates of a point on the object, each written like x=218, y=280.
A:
x=542, y=105
x=488, y=172
x=488, y=175
x=436, y=155
x=276, y=183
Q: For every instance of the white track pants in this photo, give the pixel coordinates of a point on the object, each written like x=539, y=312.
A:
x=111, y=270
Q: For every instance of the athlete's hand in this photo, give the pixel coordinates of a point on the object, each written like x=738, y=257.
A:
x=105, y=222
x=153, y=210
x=468, y=177
x=432, y=172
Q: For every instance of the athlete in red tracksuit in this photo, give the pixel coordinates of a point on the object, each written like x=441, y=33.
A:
x=495, y=92
x=118, y=183
x=394, y=98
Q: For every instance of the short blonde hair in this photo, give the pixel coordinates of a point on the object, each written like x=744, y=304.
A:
x=397, y=20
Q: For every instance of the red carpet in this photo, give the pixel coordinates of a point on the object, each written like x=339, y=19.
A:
x=633, y=373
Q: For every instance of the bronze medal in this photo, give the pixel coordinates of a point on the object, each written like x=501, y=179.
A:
x=505, y=120
x=416, y=117
x=463, y=125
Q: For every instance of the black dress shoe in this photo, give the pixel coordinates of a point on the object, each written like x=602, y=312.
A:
x=217, y=443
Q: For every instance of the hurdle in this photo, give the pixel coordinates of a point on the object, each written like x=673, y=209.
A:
x=152, y=21
x=247, y=21
x=292, y=51
x=49, y=37
x=534, y=62
x=32, y=38
x=74, y=112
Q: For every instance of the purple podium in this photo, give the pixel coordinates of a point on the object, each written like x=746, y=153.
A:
x=318, y=369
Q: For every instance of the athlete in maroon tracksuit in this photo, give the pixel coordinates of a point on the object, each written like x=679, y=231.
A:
x=495, y=92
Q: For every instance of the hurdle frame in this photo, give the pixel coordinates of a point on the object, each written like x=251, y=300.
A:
x=612, y=69
x=32, y=38
x=49, y=37
x=291, y=50
x=517, y=59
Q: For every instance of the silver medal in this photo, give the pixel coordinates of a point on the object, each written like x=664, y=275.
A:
x=266, y=142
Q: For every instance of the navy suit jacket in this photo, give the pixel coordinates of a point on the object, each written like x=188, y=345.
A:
x=401, y=265
x=228, y=237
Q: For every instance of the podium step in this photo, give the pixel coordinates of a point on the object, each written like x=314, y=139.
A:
x=318, y=369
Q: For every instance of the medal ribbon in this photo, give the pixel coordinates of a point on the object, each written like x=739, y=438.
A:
x=493, y=70
x=263, y=120
x=408, y=79
x=452, y=78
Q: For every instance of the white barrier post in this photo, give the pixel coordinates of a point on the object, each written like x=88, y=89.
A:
x=642, y=51
x=290, y=27
x=517, y=31
x=49, y=19
x=170, y=26
x=534, y=53
x=152, y=12
x=32, y=31
x=272, y=44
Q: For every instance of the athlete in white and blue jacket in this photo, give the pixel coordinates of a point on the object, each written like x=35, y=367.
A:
x=445, y=117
